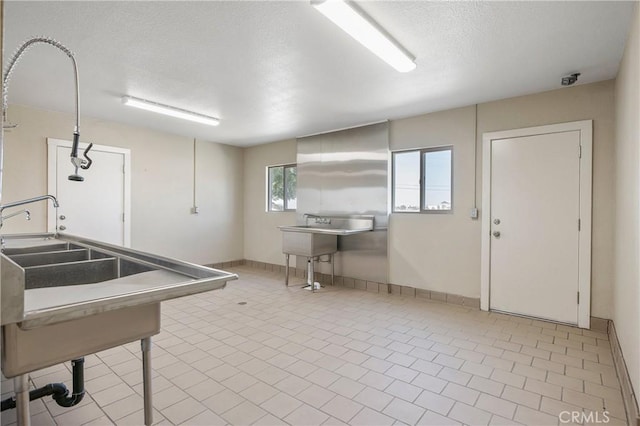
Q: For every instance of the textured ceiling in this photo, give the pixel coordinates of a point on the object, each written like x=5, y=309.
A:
x=276, y=70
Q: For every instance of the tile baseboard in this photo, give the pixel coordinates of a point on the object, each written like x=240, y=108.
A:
x=228, y=264
x=371, y=286
x=597, y=324
x=629, y=397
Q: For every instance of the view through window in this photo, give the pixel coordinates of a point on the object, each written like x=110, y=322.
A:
x=422, y=180
x=281, y=188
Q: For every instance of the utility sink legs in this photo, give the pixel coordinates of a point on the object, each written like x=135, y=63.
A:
x=319, y=237
x=146, y=380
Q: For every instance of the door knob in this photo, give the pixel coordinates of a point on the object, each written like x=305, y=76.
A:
x=496, y=234
x=62, y=217
x=62, y=227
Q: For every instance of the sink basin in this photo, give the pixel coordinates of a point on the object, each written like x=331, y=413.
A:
x=308, y=244
x=70, y=264
x=320, y=234
x=40, y=248
x=327, y=231
x=333, y=225
x=50, y=257
x=64, y=297
x=70, y=273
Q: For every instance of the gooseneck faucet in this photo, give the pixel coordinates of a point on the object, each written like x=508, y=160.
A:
x=75, y=160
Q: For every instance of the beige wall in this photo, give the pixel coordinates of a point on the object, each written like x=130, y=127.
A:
x=626, y=302
x=442, y=252
x=435, y=252
x=439, y=252
x=161, y=190
x=262, y=238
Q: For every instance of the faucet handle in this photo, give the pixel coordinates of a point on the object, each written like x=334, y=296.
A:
x=86, y=163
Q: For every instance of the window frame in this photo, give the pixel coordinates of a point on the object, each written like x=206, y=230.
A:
x=284, y=186
x=422, y=152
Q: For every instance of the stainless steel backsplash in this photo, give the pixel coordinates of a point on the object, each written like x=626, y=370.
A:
x=345, y=173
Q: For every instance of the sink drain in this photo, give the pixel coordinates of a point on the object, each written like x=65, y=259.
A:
x=242, y=303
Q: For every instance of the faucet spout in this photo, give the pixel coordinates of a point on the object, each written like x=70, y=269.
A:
x=27, y=213
x=53, y=199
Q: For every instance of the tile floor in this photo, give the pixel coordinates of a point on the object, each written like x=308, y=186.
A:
x=340, y=356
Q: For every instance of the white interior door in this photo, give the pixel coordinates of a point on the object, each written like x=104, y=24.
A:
x=535, y=208
x=98, y=207
x=535, y=225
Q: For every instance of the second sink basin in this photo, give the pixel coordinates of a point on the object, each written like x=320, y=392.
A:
x=308, y=244
x=50, y=257
x=38, y=248
x=66, y=264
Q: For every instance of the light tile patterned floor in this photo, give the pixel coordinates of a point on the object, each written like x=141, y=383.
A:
x=340, y=356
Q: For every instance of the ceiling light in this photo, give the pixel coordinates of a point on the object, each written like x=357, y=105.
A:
x=361, y=27
x=169, y=110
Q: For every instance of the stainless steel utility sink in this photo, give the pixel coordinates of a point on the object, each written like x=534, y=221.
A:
x=332, y=225
x=64, y=297
x=306, y=229
x=308, y=244
x=318, y=237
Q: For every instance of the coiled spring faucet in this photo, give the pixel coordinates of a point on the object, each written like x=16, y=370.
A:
x=75, y=160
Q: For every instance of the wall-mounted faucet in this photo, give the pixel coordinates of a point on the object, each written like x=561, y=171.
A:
x=321, y=220
x=23, y=202
x=75, y=160
x=26, y=212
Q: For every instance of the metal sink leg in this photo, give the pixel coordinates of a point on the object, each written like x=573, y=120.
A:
x=286, y=270
x=333, y=270
x=311, y=284
x=21, y=385
x=146, y=380
x=311, y=276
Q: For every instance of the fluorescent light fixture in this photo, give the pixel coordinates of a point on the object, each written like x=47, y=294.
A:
x=169, y=110
x=362, y=28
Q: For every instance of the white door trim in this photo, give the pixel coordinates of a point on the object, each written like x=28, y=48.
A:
x=584, y=237
x=52, y=146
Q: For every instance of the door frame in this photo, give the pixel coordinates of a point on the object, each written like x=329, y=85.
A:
x=585, y=128
x=52, y=147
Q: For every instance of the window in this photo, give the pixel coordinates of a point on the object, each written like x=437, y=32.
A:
x=422, y=180
x=406, y=181
x=281, y=188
